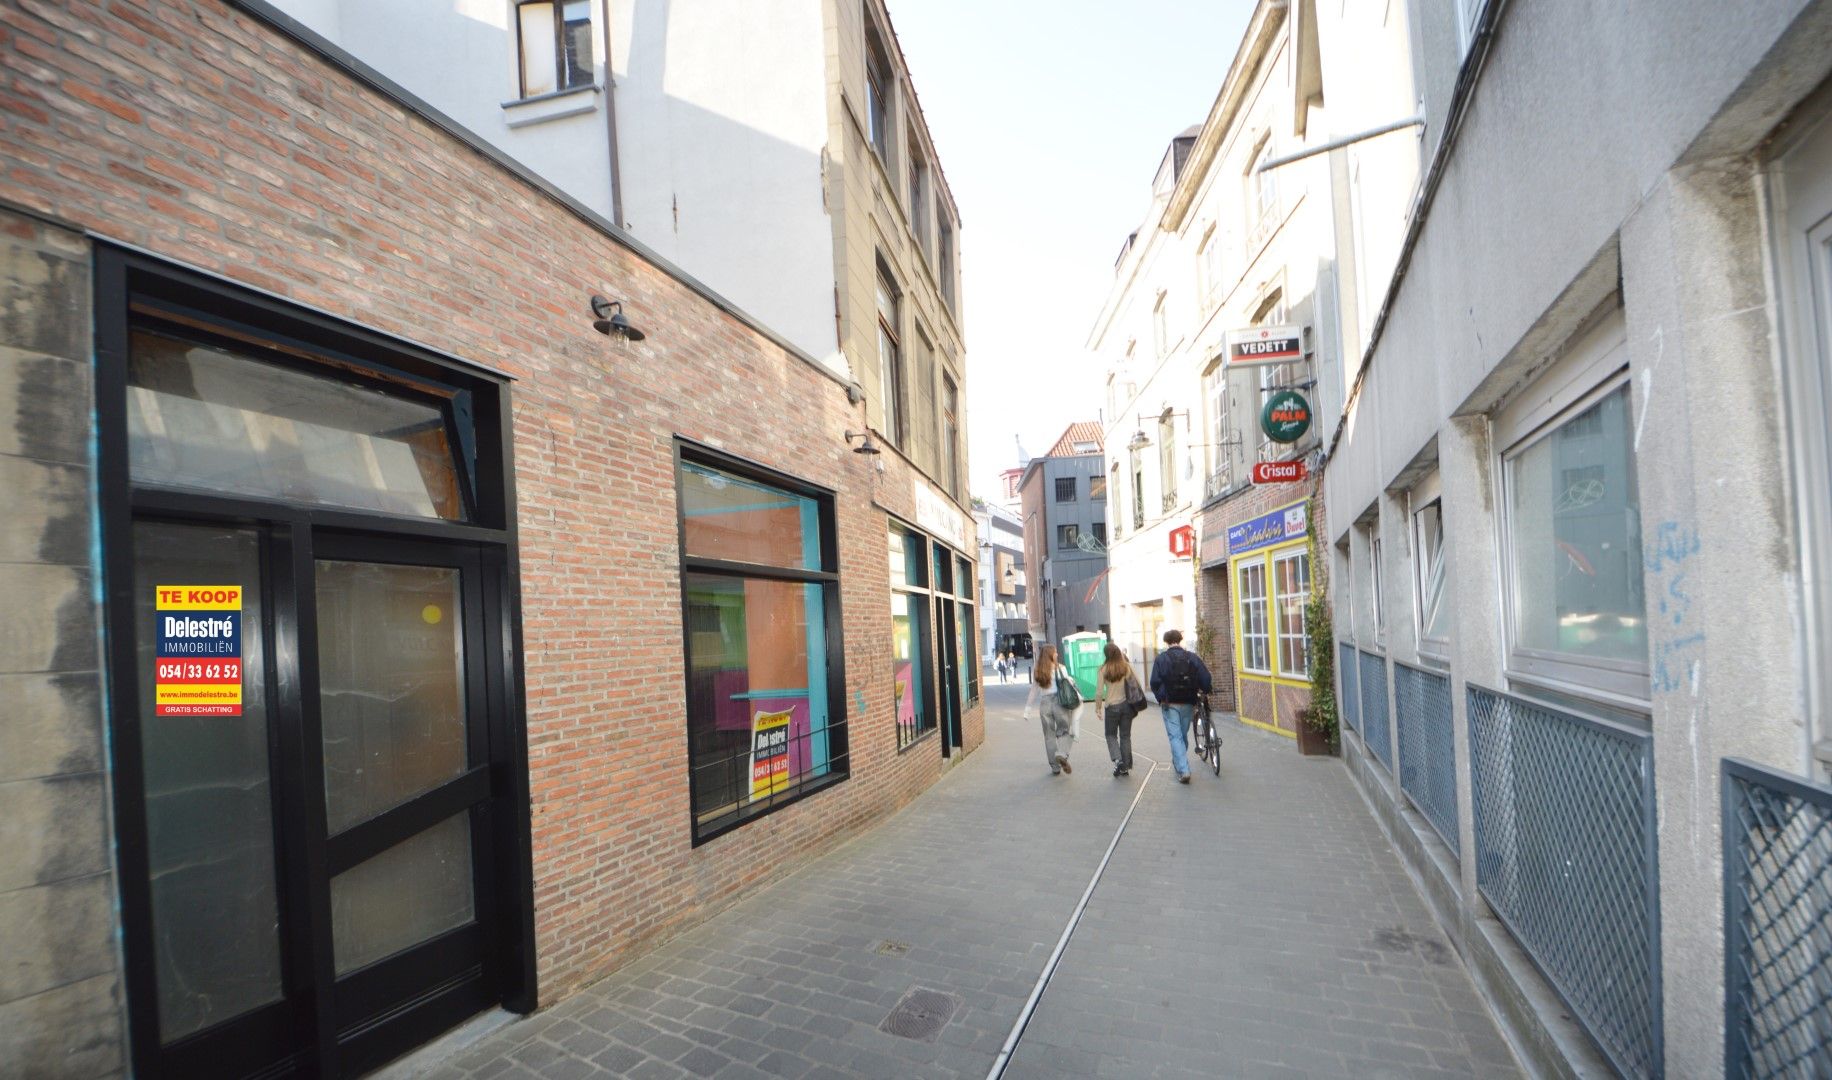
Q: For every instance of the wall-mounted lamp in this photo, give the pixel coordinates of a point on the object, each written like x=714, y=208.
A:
x=1140, y=440
x=611, y=322
x=866, y=446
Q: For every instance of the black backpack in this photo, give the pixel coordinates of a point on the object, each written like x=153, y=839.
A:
x=1180, y=682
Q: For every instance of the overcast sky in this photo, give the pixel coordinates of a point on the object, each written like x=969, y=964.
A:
x=1049, y=119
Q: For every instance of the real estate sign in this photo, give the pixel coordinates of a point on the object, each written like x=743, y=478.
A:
x=769, y=753
x=197, y=670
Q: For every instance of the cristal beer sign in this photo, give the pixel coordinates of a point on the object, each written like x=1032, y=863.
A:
x=1279, y=472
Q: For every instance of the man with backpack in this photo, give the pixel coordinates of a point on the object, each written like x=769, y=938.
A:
x=1177, y=676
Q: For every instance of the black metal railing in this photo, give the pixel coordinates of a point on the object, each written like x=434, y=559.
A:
x=1566, y=855
x=1427, y=745
x=1372, y=675
x=1777, y=924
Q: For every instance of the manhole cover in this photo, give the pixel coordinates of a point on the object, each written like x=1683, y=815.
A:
x=920, y=1015
x=891, y=948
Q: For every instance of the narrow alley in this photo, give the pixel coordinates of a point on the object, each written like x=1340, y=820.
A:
x=1232, y=934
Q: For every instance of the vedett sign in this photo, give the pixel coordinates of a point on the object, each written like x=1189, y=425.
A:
x=1265, y=345
x=1279, y=472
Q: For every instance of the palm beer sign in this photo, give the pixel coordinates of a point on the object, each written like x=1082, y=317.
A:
x=1265, y=345
x=1286, y=416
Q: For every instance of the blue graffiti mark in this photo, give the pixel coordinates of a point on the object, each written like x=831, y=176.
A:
x=1676, y=663
x=1671, y=662
x=1673, y=544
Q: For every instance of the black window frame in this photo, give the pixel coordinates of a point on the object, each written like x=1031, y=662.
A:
x=828, y=577
x=1069, y=485
x=1068, y=536
x=332, y=1029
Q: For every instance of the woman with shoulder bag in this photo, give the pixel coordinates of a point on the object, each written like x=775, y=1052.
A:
x=1051, y=694
x=1119, y=700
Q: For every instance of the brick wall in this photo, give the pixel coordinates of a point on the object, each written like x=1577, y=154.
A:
x=199, y=133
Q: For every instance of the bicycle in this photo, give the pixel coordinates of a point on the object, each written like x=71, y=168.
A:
x=1205, y=741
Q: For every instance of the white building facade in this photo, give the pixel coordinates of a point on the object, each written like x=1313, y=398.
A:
x=1576, y=507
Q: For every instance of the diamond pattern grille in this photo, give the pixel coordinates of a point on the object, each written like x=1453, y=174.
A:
x=1777, y=924
x=1374, y=730
x=1565, y=854
x=1427, y=746
x=1348, y=697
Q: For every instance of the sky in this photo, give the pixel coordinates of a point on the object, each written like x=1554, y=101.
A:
x=1049, y=119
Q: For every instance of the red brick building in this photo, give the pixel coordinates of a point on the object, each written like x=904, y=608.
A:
x=549, y=643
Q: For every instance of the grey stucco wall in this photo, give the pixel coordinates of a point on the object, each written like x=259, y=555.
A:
x=1637, y=183
x=60, y=993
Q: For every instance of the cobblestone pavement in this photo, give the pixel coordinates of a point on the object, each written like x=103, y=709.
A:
x=1254, y=924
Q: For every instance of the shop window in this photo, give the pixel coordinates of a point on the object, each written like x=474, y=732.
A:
x=1291, y=590
x=1065, y=489
x=556, y=45
x=762, y=628
x=1255, y=639
x=912, y=686
x=1574, y=546
x=969, y=633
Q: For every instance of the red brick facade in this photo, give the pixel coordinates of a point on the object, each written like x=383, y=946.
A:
x=201, y=134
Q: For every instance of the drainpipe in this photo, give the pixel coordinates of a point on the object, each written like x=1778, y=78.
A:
x=610, y=125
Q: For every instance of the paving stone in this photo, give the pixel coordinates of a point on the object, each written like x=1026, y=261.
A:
x=1252, y=925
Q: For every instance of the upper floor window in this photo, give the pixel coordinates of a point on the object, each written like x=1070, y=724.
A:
x=1262, y=192
x=556, y=40
x=1468, y=11
x=1208, y=267
x=877, y=91
x=1160, y=324
x=1167, y=460
x=1068, y=536
x=1221, y=469
x=890, y=356
x=1138, y=490
x=950, y=434
x=1097, y=487
x=944, y=260
x=919, y=198
x=1065, y=489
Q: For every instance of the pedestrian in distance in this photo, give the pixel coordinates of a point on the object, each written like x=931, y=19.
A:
x=1176, y=678
x=1004, y=667
x=1056, y=702
x=1119, y=699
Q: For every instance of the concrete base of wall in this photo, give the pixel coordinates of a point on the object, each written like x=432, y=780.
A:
x=1537, y=1025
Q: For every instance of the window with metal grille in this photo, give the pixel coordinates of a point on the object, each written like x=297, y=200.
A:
x=1065, y=489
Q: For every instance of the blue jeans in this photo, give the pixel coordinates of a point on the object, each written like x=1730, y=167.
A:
x=1177, y=726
